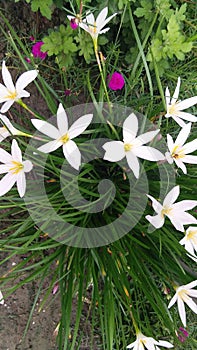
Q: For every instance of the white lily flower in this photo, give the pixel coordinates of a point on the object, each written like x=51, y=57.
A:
x=182, y=295
x=8, y=129
x=190, y=241
x=142, y=342
x=132, y=147
x=95, y=27
x=175, y=108
x=1, y=298
x=10, y=93
x=15, y=168
x=176, y=212
x=179, y=151
x=62, y=136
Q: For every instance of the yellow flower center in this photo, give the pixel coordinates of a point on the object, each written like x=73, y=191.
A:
x=178, y=152
x=17, y=167
x=93, y=28
x=191, y=236
x=11, y=95
x=183, y=294
x=172, y=109
x=165, y=211
x=65, y=138
x=127, y=147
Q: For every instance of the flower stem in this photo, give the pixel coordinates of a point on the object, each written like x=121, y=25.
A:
x=22, y=104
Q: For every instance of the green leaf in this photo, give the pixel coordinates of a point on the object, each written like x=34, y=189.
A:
x=45, y=7
x=144, y=11
x=85, y=46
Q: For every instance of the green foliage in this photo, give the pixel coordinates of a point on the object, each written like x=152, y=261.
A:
x=45, y=6
x=84, y=42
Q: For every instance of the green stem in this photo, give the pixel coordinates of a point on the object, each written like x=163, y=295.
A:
x=22, y=104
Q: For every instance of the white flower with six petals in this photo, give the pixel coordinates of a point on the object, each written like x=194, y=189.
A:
x=142, y=342
x=62, y=136
x=179, y=150
x=190, y=241
x=15, y=168
x=182, y=295
x=132, y=147
x=175, y=108
x=174, y=211
x=10, y=93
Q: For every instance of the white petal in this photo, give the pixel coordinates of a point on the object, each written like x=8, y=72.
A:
x=4, y=169
x=130, y=128
x=178, y=120
x=23, y=93
x=150, y=343
x=181, y=310
x=80, y=125
x=191, y=304
x=7, y=183
x=72, y=154
x=173, y=300
x=165, y=344
x=133, y=163
x=190, y=285
x=114, y=151
x=1, y=298
x=7, y=79
x=155, y=204
x=107, y=21
x=186, y=103
x=181, y=165
x=176, y=92
x=190, y=159
x=171, y=196
x=184, y=205
x=90, y=20
x=8, y=125
x=16, y=152
x=104, y=30
x=169, y=158
x=176, y=222
x=46, y=128
x=25, y=79
x=147, y=136
x=101, y=18
x=157, y=221
x=6, y=106
x=181, y=218
x=5, y=157
x=187, y=116
x=28, y=166
x=190, y=146
x=170, y=142
x=183, y=134
x=21, y=184
x=193, y=294
x=3, y=93
x=50, y=146
x=62, y=120
x=167, y=95
x=149, y=153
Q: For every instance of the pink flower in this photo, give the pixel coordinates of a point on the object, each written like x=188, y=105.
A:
x=74, y=23
x=182, y=337
x=67, y=92
x=37, y=52
x=116, y=81
x=27, y=59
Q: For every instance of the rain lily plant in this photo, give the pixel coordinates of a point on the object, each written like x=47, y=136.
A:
x=176, y=212
x=15, y=169
x=179, y=149
x=132, y=147
x=148, y=343
x=8, y=129
x=175, y=107
x=10, y=93
x=62, y=136
x=183, y=295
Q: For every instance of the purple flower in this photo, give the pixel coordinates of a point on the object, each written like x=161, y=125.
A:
x=67, y=92
x=182, y=337
x=116, y=81
x=27, y=59
x=37, y=52
x=74, y=23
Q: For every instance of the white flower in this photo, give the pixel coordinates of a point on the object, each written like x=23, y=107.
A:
x=182, y=295
x=1, y=299
x=8, y=129
x=174, y=211
x=132, y=146
x=179, y=151
x=95, y=27
x=142, y=342
x=175, y=108
x=15, y=168
x=10, y=93
x=62, y=136
x=190, y=241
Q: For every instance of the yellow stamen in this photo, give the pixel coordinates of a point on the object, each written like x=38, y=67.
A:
x=172, y=109
x=11, y=95
x=191, y=236
x=178, y=152
x=165, y=211
x=183, y=294
x=65, y=138
x=16, y=168
x=127, y=147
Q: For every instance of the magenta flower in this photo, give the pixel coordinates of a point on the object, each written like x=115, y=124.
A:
x=36, y=50
x=182, y=337
x=67, y=92
x=116, y=81
x=74, y=23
